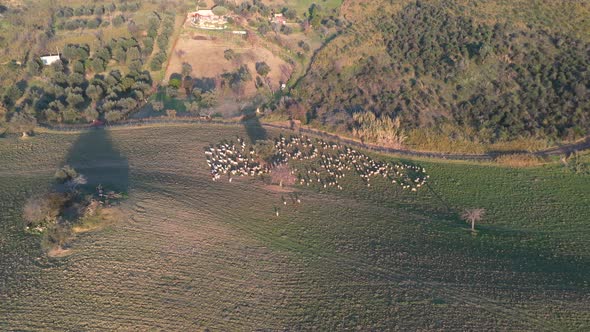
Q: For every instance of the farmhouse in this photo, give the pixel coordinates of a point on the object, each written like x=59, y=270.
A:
x=279, y=19
x=50, y=59
x=207, y=19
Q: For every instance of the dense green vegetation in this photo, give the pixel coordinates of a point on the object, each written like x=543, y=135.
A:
x=68, y=95
x=191, y=254
x=107, y=82
x=430, y=64
x=65, y=21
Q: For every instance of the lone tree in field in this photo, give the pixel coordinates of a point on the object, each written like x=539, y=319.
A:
x=472, y=216
x=22, y=123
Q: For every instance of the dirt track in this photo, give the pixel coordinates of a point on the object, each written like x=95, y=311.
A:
x=554, y=151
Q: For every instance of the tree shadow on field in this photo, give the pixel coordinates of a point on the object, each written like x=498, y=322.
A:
x=254, y=128
x=95, y=156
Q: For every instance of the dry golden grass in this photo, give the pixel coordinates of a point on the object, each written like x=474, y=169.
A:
x=205, y=54
x=105, y=217
x=519, y=160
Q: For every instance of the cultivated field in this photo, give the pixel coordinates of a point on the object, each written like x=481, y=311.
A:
x=193, y=254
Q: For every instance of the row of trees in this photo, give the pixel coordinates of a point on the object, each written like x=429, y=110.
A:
x=167, y=28
x=74, y=24
x=93, y=23
x=89, y=10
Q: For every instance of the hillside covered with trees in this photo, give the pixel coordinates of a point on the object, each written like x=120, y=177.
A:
x=497, y=70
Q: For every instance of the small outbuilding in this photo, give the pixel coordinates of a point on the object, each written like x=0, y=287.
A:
x=50, y=59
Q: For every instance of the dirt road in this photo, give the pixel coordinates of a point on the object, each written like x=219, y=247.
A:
x=554, y=151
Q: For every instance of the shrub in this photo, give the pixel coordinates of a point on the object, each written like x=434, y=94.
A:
x=157, y=106
x=119, y=20
x=229, y=54
x=155, y=64
x=174, y=83
x=383, y=130
x=574, y=164
x=40, y=212
x=22, y=123
x=56, y=236
x=90, y=114
x=287, y=30
x=113, y=116
x=518, y=160
x=262, y=68
x=93, y=23
x=66, y=173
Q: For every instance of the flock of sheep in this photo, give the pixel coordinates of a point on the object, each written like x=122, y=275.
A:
x=335, y=161
x=231, y=160
x=328, y=163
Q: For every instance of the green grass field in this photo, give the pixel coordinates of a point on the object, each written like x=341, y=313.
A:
x=192, y=254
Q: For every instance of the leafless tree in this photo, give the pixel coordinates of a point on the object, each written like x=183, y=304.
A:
x=472, y=216
x=282, y=175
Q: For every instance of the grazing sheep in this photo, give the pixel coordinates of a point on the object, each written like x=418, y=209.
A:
x=333, y=160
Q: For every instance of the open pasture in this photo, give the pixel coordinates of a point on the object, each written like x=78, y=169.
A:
x=192, y=254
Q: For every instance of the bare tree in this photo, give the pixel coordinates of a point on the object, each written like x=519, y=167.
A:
x=472, y=216
x=282, y=175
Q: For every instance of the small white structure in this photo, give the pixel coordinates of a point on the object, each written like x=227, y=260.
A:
x=206, y=19
x=50, y=59
x=279, y=19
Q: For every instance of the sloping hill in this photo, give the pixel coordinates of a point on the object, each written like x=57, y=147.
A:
x=498, y=70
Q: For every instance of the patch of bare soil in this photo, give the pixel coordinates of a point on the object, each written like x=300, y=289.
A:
x=278, y=189
x=206, y=56
x=58, y=252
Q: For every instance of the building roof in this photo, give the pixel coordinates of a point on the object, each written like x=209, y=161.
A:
x=49, y=59
x=204, y=12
